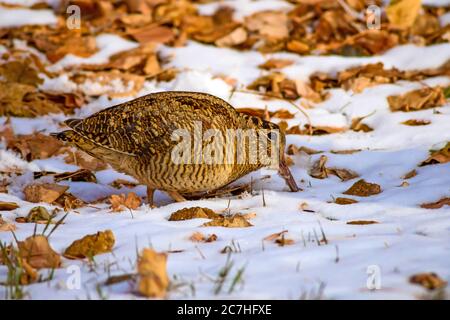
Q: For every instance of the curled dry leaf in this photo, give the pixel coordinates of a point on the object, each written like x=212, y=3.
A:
x=357, y=125
x=236, y=37
x=69, y=202
x=152, y=269
x=436, y=205
x=320, y=171
x=131, y=201
x=235, y=221
x=119, y=183
x=8, y=206
x=417, y=99
x=438, y=156
x=79, y=175
x=36, y=251
x=193, y=213
x=363, y=188
x=294, y=150
x=428, y=280
x=416, y=122
x=35, y=146
x=91, y=245
x=45, y=192
x=410, y=174
x=200, y=237
x=345, y=201
x=362, y=222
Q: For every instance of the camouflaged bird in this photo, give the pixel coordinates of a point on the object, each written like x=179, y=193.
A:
x=137, y=138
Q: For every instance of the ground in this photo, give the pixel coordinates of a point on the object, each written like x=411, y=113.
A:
x=328, y=258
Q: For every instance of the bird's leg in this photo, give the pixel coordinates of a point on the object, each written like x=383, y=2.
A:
x=176, y=196
x=150, y=193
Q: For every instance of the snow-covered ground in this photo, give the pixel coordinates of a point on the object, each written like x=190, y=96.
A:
x=407, y=239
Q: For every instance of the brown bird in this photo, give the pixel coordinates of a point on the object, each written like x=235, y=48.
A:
x=176, y=142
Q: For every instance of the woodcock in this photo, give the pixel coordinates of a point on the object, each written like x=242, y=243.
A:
x=137, y=138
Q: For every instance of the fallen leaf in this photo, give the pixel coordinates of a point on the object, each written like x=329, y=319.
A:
x=362, y=222
x=200, y=237
x=151, y=33
x=410, y=174
x=345, y=201
x=35, y=146
x=428, y=280
x=193, y=213
x=36, y=251
x=20, y=72
x=417, y=99
x=8, y=206
x=357, y=125
x=269, y=24
x=235, y=221
x=362, y=188
x=282, y=241
x=130, y=201
x=69, y=202
x=403, y=13
x=91, y=245
x=294, y=150
x=236, y=37
x=438, y=156
x=416, y=122
x=119, y=183
x=274, y=236
x=306, y=91
x=436, y=205
x=320, y=171
x=37, y=215
x=152, y=270
x=275, y=64
x=45, y=192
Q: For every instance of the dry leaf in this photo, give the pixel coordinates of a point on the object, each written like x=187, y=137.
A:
x=79, y=175
x=37, y=215
x=119, y=183
x=438, y=156
x=130, y=201
x=429, y=280
x=193, y=213
x=320, y=171
x=410, y=174
x=152, y=270
x=8, y=206
x=305, y=91
x=235, y=221
x=416, y=122
x=200, y=237
x=275, y=64
x=417, y=99
x=36, y=251
x=269, y=24
x=362, y=188
x=69, y=202
x=403, y=13
x=236, y=37
x=345, y=201
x=35, y=146
x=357, y=125
x=151, y=33
x=45, y=192
x=362, y=222
x=436, y=205
x=91, y=245
x=294, y=150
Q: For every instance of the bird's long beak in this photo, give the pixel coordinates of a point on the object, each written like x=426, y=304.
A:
x=287, y=175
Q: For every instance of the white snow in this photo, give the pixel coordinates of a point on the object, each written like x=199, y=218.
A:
x=408, y=239
x=12, y=17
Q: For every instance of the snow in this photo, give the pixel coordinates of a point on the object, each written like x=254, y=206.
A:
x=407, y=240
x=18, y=17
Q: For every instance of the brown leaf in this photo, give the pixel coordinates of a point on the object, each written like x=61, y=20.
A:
x=37, y=215
x=235, y=221
x=8, y=206
x=294, y=150
x=403, y=13
x=320, y=171
x=416, y=122
x=274, y=236
x=438, y=156
x=361, y=222
x=36, y=251
x=362, y=188
x=69, y=202
x=305, y=91
x=130, y=201
x=20, y=72
x=345, y=201
x=410, y=174
x=45, y=192
x=275, y=64
x=193, y=213
x=152, y=270
x=151, y=33
x=91, y=245
x=269, y=24
x=436, y=205
x=343, y=174
x=35, y=146
x=417, y=99
x=428, y=280
x=357, y=125
x=282, y=241
x=234, y=38
x=200, y=237
x=119, y=183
